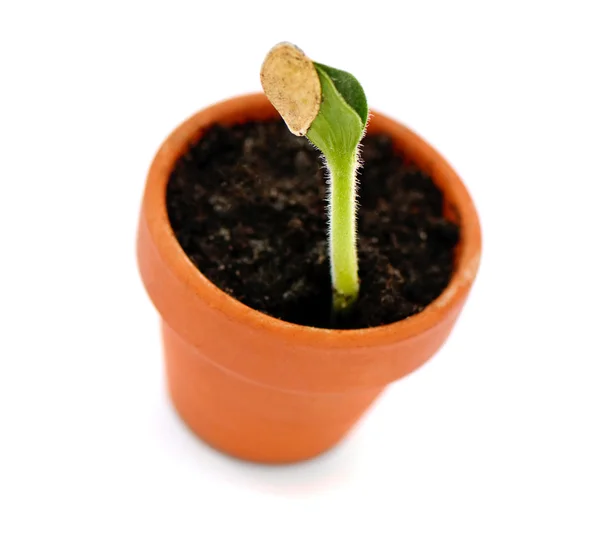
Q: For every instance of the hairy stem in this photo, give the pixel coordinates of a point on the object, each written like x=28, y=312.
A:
x=342, y=234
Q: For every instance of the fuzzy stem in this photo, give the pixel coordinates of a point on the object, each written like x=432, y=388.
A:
x=342, y=233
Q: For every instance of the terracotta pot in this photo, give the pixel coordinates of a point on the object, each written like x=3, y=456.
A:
x=262, y=389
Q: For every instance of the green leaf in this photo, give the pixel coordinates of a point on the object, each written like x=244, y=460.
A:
x=338, y=127
x=349, y=88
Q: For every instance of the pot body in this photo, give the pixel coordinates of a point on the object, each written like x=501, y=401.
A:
x=262, y=389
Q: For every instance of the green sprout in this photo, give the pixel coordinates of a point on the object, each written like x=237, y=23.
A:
x=329, y=107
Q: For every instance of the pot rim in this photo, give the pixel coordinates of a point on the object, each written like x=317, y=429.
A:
x=256, y=106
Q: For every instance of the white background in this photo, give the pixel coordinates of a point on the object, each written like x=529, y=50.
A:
x=498, y=435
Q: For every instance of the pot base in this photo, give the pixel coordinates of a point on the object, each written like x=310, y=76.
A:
x=251, y=421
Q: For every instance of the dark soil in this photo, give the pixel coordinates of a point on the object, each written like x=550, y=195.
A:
x=247, y=206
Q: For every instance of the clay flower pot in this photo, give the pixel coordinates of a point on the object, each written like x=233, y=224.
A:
x=262, y=389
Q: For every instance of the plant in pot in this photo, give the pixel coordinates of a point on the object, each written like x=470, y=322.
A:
x=285, y=311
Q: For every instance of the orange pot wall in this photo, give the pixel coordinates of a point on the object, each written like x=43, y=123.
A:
x=262, y=389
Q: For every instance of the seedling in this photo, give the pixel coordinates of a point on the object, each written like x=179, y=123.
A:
x=329, y=107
